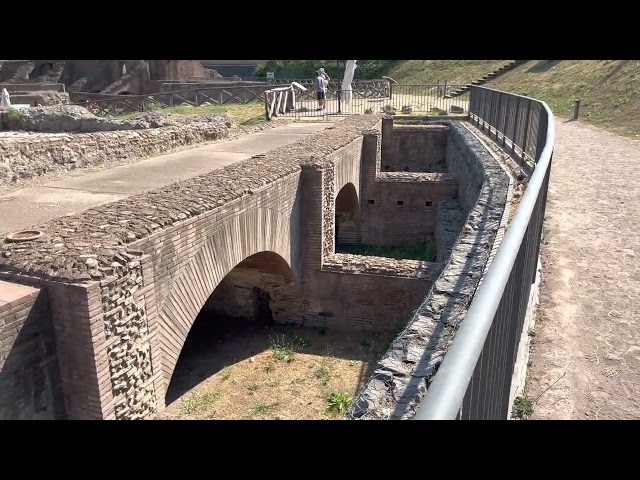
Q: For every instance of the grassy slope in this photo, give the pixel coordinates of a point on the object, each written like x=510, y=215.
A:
x=434, y=71
x=607, y=89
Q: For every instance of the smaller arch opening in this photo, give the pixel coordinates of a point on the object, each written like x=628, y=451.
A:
x=41, y=70
x=125, y=93
x=347, y=219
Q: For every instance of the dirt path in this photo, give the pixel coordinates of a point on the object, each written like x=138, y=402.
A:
x=587, y=336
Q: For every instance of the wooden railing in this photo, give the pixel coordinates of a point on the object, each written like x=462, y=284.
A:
x=112, y=105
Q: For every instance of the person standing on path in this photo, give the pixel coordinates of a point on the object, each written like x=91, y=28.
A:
x=320, y=84
x=324, y=74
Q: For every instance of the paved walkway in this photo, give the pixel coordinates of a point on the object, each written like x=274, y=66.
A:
x=35, y=205
x=588, y=336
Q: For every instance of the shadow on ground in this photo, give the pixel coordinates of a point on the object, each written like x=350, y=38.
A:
x=217, y=342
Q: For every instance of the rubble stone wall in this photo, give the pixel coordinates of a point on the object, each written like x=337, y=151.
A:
x=28, y=156
x=400, y=379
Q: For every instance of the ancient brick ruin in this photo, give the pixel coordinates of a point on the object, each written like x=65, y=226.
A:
x=109, y=296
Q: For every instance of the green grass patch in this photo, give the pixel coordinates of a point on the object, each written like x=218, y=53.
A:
x=262, y=409
x=522, y=408
x=454, y=72
x=607, y=90
x=200, y=403
x=425, y=252
x=14, y=115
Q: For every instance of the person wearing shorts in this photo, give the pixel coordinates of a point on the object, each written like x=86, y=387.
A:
x=321, y=89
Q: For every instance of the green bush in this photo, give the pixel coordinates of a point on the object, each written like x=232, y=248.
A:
x=14, y=115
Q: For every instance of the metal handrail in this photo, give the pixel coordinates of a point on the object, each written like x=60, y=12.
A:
x=447, y=390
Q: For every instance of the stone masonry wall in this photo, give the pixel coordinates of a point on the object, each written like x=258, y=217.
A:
x=29, y=377
x=28, y=155
x=462, y=164
x=449, y=222
x=128, y=341
x=413, y=148
x=401, y=377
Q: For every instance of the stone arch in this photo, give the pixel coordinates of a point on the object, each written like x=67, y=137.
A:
x=347, y=216
x=41, y=70
x=254, y=231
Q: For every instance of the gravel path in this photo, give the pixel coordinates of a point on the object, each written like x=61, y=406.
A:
x=587, y=336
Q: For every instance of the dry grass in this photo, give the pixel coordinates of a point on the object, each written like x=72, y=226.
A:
x=608, y=90
x=452, y=71
x=247, y=114
x=298, y=374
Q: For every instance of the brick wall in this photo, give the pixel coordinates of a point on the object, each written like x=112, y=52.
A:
x=260, y=283
x=413, y=148
x=398, y=209
x=29, y=377
x=337, y=287
x=401, y=211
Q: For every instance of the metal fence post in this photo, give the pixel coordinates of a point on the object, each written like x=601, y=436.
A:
x=576, y=108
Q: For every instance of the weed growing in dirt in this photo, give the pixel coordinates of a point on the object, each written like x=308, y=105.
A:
x=262, y=409
x=322, y=374
x=197, y=404
x=226, y=373
x=339, y=402
x=283, y=349
x=522, y=408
